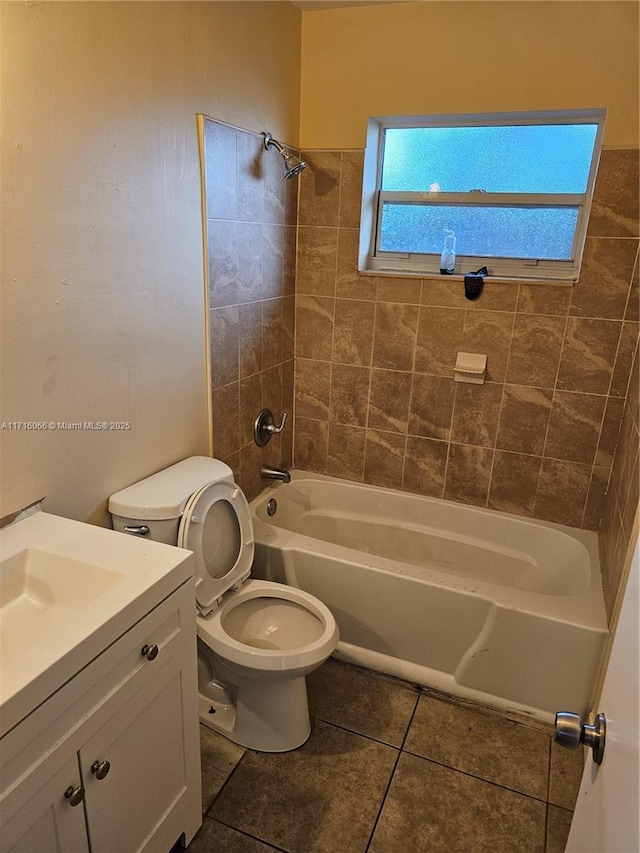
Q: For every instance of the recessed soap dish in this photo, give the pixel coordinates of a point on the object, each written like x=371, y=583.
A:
x=470, y=367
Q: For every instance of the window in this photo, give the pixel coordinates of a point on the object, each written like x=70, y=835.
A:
x=514, y=189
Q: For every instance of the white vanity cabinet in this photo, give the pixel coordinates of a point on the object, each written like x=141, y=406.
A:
x=110, y=763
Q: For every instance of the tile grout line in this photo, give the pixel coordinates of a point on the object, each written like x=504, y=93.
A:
x=391, y=777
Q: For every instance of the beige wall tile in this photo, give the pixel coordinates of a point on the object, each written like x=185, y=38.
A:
x=544, y=299
x=353, y=335
x=249, y=332
x=389, y=400
x=395, y=335
x=489, y=333
x=249, y=261
x=250, y=404
x=314, y=327
x=425, y=466
x=320, y=190
x=624, y=359
x=407, y=290
x=220, y=171
x=596, y=497
x=562, y=492
x=574, y=426
x=289, y=254
x=345, y=456
x=605, y=278
x=272, y=333
x=313, y=389
x=250, y=183
x=535, y=350
x=609, y=431
x=224, y=346
x=226, y=419
x=614, y=211
x=384, y=458
x=431, y=407
x=524, y=418
x=514, y=482
x=468, y=474
x=272, y=261
x=633, y=305
x=317, y=257
x=222, y=258
x=349, y=283
x=310, y=451
x=351, y=188
x=588, y=355
x=350, y=394
x=439, y=340
x=475, y=414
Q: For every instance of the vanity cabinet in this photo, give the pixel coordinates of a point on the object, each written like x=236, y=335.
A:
x=110, y=763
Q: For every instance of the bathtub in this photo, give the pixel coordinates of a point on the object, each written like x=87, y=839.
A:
x=481, y=605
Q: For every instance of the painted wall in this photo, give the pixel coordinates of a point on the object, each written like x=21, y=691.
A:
x=444, y=57
x=103, y=314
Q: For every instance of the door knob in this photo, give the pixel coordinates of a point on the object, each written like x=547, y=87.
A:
x=572, y=732
x=149, y=652
x=74, y=795
x=100, y=769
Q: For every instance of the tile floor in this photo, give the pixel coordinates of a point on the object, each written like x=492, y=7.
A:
x=389, y=768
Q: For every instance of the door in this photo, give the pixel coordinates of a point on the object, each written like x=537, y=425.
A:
x=606, y=815
x=136, y=770
x=46, y=821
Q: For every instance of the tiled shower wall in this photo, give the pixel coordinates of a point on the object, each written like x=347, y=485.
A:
x=251, y=233
x=375, y=396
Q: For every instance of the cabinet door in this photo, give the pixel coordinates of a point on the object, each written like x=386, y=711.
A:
x=46, y=821
x=149, y=744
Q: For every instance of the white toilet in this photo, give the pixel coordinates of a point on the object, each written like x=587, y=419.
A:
x=256, y=639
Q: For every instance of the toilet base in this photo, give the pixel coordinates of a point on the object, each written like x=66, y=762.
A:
x=267, y=717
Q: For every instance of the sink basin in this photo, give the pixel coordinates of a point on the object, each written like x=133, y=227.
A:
x=67, y=591
x=39, y=591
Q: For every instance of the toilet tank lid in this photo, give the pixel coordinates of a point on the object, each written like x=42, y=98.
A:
x=164, y=495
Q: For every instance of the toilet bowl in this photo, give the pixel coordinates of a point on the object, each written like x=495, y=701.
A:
x=257, y=640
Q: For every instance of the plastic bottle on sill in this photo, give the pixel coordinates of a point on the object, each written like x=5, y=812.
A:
x=448, y=256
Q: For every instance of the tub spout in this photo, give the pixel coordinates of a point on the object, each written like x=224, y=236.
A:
x=267, y=472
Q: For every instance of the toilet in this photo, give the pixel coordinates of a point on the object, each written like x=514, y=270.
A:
x=257, y=640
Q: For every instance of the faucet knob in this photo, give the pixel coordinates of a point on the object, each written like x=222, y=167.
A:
x=265, y=427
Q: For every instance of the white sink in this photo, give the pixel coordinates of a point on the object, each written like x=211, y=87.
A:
x=68, y=590
x=39, y=591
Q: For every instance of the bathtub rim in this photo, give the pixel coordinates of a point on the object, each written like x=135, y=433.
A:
x=585, y=608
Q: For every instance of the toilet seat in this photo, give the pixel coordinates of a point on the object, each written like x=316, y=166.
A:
x=212, y=632
x=216, y=526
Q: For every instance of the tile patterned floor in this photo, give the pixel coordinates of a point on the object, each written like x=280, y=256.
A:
x=390, y=769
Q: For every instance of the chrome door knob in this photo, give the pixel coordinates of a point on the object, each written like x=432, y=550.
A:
x=572, y=732
x=74, y=795
x=100, y=769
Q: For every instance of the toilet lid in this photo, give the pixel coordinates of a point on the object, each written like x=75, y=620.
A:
x=216, y=526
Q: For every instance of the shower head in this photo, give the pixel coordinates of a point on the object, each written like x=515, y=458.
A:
x=293, y=165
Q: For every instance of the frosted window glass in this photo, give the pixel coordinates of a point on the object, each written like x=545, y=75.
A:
x=500, y=159
x=542, y=233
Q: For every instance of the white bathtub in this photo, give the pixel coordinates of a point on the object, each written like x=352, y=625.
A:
x=480, y=604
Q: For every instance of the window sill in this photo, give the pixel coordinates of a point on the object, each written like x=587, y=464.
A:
x=459, y=278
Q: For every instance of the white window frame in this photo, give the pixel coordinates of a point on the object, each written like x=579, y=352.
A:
x=377, y=262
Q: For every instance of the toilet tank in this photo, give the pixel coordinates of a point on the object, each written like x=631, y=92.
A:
x=158, y=501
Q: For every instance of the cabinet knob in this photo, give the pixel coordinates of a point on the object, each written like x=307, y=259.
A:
x=149, y=652
x=74, y=795
x=100, y=769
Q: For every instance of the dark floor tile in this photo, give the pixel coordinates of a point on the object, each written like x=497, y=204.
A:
x=219, y=756
x=430, y=808
x=322, y=797
x=362, y=701
x=483, y=744
x=558, y=826
x=215, y=837
x=565, y=776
